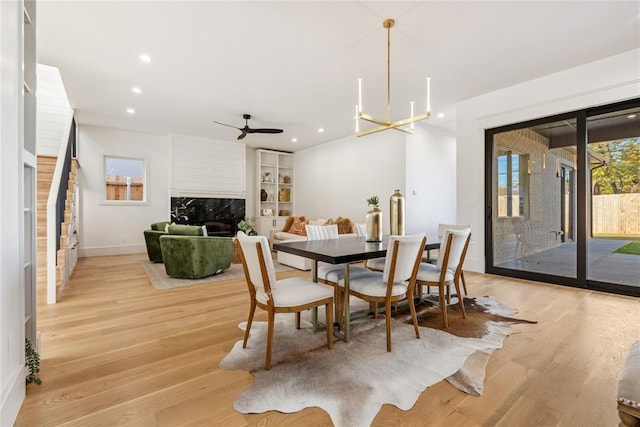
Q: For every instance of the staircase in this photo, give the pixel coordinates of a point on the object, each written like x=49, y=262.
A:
x=67, y=255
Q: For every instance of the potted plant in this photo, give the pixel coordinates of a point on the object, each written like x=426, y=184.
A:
x=32, y=360
x=246, y=225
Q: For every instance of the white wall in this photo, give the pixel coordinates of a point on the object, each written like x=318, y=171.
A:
x=430, y=171
x=605, y=81
x=12, y=298
x=336, y=178
x=53, y=111
x=117, y=229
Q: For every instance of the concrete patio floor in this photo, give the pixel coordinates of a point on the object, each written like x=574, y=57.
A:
x=603, y=264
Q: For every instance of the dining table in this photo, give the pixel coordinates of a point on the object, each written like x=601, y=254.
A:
x=344, y=250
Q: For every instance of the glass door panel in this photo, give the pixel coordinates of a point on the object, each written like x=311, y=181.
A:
x=613, y=250
x=534, y=199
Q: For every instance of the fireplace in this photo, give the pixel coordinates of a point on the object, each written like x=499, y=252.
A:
x=221, y=216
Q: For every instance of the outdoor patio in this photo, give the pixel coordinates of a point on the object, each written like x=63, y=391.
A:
x=604, y=265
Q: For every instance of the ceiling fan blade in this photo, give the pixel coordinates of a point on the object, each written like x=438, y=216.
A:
x=243, y=134
x=266, y=130
x=224, y=124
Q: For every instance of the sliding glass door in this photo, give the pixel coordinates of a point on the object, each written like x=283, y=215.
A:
x=614, y=244
x=547, y=217
x=534, y=193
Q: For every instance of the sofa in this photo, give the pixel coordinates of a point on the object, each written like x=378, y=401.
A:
x=152, y=239
x=285, y=235
x=188, y=254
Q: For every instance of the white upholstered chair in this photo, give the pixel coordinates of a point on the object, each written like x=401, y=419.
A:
x=396, y=282
x=290, y=295
x=442, y=228
x=330, y=274
x=448, y=270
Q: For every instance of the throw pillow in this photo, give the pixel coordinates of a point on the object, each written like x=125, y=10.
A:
x=299, y=227
x=289, y=222
x=287, y=225
x=344, y=225
x=185, y=230
x=329, y=222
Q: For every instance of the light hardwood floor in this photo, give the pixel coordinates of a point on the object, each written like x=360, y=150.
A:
x=116, y=352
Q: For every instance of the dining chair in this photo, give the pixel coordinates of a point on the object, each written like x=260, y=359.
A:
x=330, y=274
x=442, y=228
x=396, y=282
x=448, y=270
x=291, y=295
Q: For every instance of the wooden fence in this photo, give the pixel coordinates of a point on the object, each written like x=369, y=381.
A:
x=616, y=214
x=117, y=188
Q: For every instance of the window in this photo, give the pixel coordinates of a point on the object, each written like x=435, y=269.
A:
x=125, y=179
x=513, y=183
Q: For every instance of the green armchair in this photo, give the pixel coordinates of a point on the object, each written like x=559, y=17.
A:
x=152, y=239
x=193, y=257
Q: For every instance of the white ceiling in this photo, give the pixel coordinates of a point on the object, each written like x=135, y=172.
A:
x=294, y=64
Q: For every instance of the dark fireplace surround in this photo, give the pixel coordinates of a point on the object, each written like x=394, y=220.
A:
x=220, y=215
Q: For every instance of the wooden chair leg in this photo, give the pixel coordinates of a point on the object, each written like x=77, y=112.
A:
x=329, y=318
x=387, y=313
x=414, y=317
x=443, y=305
x=460, y=299
x=464, y=283
x=339, y=306
x=252, y=311
x=270, y=325
x=374, y=308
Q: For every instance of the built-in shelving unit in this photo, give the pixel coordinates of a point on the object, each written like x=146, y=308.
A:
x=275, y=189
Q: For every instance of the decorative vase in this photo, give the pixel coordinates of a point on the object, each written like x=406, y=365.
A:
x=263, y=195
x=374, y=225
x=396, y=213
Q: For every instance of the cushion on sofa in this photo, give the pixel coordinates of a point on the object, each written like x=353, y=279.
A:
x=287, y=225
x=159, y=226
x=298, y=227
x=185, y=230
x=344, y=225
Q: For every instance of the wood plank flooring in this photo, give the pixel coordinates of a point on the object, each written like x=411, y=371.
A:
x=116, y=352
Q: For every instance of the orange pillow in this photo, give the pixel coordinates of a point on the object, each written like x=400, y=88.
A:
x=344, y=225
x=287, y=224
x=329, y=222
x=299, y=227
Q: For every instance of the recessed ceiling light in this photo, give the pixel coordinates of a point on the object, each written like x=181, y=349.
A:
x=136, y=90
x=145, y=58
x=440, y=115
x=131, y=111
x=632, y=116
x=320, y=130
x=294, y=140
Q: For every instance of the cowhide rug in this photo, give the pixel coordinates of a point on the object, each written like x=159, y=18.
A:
x=353, y=380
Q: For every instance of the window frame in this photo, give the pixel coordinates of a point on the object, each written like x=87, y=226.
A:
x=145, y=181
x=523, y=182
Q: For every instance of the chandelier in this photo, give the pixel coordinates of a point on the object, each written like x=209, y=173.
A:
x=388, y=124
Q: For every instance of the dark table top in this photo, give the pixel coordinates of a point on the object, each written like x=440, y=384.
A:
x=339, y=251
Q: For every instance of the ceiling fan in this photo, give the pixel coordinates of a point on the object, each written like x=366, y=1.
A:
x=246, y=129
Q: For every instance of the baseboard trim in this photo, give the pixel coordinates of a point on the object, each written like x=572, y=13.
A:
x=111, y=250
x=12, y=401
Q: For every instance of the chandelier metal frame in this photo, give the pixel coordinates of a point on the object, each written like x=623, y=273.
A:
x=399, y=125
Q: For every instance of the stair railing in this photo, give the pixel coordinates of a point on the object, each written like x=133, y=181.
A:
x=56, y=204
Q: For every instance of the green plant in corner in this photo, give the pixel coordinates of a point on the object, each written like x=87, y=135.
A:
x=32, y=360
x=373, y=201
x=246, y=225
